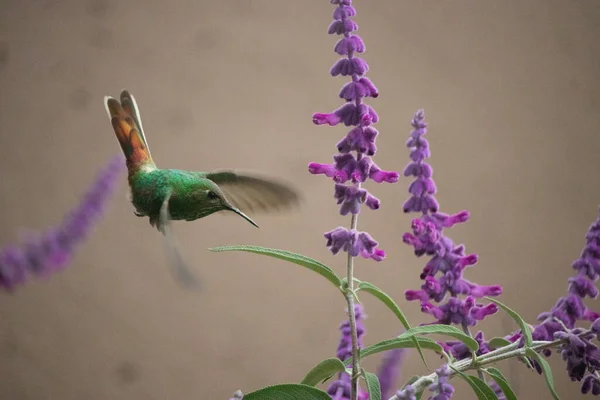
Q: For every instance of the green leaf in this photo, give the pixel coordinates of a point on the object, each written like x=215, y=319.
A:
x=487, y=391
x=288, y=391
x=498, y=342
x=481, y=389
x=546, y=369
x=388, y=301
x=502, y=382
x=399, y=343
x=324, y=370
x=372, y=385
x=445, y=330
x=295, y=258
x=385, y=299
x=525, y=329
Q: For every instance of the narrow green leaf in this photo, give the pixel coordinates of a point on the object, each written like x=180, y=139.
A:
x=295, y=258
x=373, y=385
x=399, y=343
x=385, y=299
x=484, y=388
x=545, y=369
x=445, y=330
x=525, y=329
x=324, y=370
x=391, y=304
x=287, y=391
x=498, y=342
x=480, y=391
x=502, y=382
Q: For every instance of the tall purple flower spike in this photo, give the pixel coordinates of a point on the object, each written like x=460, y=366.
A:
x=582, y=356
x=443, y=274
x=52, y=250
x=353, y=164
x=340, y=389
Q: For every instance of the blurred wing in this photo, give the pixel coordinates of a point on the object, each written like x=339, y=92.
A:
x=131, y=109
x=253, y=194
x=178, y=267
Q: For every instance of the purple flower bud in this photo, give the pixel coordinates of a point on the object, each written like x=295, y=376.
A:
x=349, y=45
x=347, y=67
x=342, y=26
x=344, y=12
x=408, y=393
x=350, y=197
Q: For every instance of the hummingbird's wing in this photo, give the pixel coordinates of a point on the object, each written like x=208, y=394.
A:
x=254, y=194
x=180, y=270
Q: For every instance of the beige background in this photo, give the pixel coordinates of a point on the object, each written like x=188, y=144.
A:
x=511, y=93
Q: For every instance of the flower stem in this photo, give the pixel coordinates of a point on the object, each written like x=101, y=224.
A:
x=509, y=351
x=467, y=331
x=352, y=317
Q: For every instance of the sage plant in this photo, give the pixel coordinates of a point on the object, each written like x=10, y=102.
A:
x=570, y=327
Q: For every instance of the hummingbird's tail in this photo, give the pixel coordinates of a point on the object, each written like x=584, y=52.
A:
x=126, y=122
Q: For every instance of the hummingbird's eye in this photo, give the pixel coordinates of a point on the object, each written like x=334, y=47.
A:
x=212, y=195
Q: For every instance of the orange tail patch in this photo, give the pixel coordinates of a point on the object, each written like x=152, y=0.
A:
x=128, y=134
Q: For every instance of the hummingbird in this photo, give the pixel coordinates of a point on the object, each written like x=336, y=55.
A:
x=164, y=195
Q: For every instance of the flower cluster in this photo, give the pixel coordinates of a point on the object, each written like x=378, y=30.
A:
x=443, y=274
x=353, y=165
x=581, y=355
x=52, y=250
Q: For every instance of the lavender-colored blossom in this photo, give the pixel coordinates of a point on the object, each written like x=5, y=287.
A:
x=407, y=393
x=389, y=371
x=353, y=164
x=442, y=389
x=443, y=274
x=50, y=251
x=581, y=356
x=340, y=389
x=497, y=390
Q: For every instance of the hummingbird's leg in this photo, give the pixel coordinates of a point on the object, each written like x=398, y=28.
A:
x=179, y=268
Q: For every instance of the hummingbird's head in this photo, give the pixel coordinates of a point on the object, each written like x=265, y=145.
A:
x=214, y=200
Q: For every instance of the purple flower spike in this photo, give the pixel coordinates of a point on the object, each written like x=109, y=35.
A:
x=581, y=356
x=51, y=251
x=389, y=371
x=340, y=389
x=443, y=280
x=353, y=164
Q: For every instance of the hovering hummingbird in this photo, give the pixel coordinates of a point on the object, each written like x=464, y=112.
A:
x=163, y=195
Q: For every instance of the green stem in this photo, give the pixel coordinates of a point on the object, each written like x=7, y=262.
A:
x=352, y=317
x=510, y=351
x=468, y=332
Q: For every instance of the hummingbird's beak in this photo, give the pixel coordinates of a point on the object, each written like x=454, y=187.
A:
x=241, y=214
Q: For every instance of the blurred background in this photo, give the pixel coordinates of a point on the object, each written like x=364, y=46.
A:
x=511, y=94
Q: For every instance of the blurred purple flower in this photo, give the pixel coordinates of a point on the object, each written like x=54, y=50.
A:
x=353, y=163
x=45, y=253
x=389, y=371
x=443, y=274
x=580, y=354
